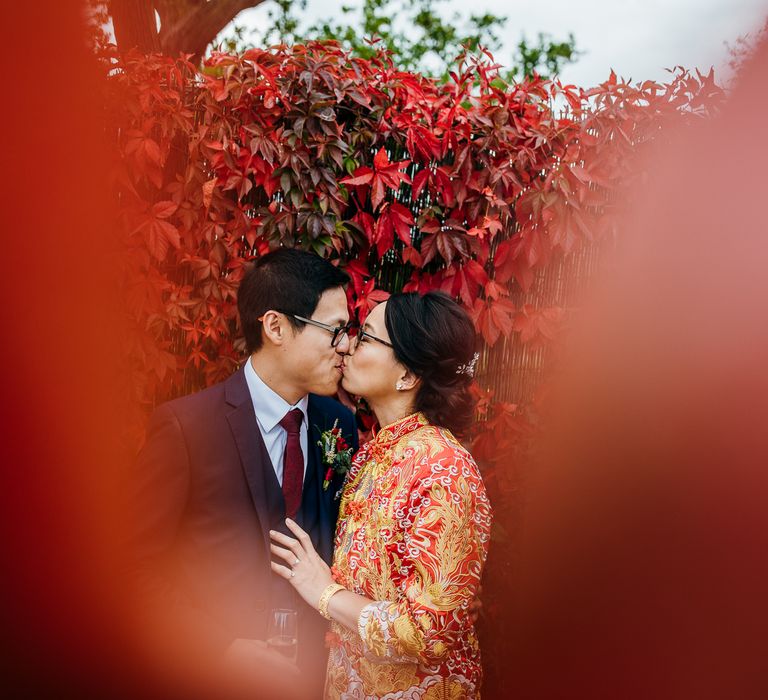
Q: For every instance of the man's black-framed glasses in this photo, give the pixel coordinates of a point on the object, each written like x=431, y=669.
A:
x=362, y=334
x=338, y=332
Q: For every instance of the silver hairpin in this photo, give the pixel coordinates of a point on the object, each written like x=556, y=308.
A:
x=469, y=369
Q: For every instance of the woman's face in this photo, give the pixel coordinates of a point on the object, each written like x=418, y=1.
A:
x=371, y=370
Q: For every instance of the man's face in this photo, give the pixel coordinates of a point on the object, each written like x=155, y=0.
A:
x=311, y=363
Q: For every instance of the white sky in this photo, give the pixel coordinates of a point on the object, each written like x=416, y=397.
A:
x=637, y=38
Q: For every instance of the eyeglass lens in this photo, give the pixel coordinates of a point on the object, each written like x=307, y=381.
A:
x=338, y=335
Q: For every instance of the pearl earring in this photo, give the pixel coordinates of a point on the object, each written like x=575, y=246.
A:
x=399, y=386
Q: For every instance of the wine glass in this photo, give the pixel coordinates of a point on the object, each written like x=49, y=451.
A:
x=281, y=635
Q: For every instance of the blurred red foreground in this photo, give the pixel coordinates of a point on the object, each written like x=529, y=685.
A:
x=644, y=570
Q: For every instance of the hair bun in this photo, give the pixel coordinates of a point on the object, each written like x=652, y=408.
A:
x=435, y=338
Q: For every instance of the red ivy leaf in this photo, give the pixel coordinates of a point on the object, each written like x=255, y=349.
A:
x=161, y=235
x=538, y=326
x=208, y=192
x=394, y=219
x=381, y=160
x=361, y=176
x=448, y=244
x=377, y=192
x=493, y=318
x=367, y=299
x=411, y=256
x=358, y=271
x=387, y=175
x=164, y=209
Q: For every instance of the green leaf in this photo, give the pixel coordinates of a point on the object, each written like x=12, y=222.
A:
x=285, y=181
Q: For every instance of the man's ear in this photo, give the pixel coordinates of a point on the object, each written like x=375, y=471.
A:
x=408, y=380
x=275, y=327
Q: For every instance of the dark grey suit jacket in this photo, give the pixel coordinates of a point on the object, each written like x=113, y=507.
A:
x=207, y=497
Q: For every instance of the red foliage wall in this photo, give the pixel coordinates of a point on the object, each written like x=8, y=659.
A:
x=472, y=186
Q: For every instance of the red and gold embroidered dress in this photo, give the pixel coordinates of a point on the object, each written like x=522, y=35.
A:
x=412, y=535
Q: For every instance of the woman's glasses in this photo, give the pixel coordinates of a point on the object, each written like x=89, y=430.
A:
x=362, y=335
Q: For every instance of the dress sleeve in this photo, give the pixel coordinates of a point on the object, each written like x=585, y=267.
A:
x=445, y=543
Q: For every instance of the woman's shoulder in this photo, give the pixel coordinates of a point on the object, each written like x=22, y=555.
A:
x=431, y=461
x=433, y=445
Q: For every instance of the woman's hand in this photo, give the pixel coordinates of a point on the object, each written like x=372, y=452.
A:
x=303, y=567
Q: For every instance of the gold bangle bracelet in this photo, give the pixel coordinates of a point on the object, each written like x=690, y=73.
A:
x=322, y=604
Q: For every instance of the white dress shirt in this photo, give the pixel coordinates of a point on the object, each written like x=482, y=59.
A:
x=270, y=409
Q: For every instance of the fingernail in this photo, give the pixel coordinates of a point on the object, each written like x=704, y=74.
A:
x=288, y=520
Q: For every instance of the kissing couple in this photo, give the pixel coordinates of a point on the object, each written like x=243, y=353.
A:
x=260, y=519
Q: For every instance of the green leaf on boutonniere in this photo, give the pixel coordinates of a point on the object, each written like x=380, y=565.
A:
x=336, y=453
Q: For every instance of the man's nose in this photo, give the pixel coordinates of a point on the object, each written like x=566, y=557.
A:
x=344, y=345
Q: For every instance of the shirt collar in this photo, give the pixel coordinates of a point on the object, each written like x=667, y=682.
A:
x=270, y=407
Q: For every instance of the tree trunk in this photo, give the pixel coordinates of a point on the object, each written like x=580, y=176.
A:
x=186, y=26
x=189, y=26
x=135, y=24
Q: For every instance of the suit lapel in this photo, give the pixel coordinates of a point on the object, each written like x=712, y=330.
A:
x=255, y=459
x=250, y=445
x=318, y=423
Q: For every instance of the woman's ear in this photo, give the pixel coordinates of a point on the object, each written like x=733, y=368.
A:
x=274, y=326
x=407, y=381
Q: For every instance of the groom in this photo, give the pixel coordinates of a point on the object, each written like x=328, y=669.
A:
x=222, y=467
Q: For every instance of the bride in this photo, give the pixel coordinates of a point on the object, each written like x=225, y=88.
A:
x=414, y=520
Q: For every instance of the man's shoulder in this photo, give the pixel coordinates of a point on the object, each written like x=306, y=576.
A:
x=324, y=412
x=199, y=403
x=329, y=406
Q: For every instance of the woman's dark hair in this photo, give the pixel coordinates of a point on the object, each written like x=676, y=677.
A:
x=287, y=280
x=434, y=338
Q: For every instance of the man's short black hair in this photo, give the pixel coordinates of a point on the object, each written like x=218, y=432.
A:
x=287, y=280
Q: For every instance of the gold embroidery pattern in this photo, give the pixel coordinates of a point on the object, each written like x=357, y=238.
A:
x=413, y=533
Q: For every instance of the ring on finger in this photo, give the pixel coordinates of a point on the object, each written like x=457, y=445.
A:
x=296, y=561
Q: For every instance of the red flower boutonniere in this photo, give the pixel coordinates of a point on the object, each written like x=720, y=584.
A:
x=337, y=454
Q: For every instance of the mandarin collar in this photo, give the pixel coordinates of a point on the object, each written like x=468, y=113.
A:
x=392, y=432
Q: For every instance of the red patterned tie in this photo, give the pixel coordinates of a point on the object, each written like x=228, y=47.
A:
x=293, y=462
